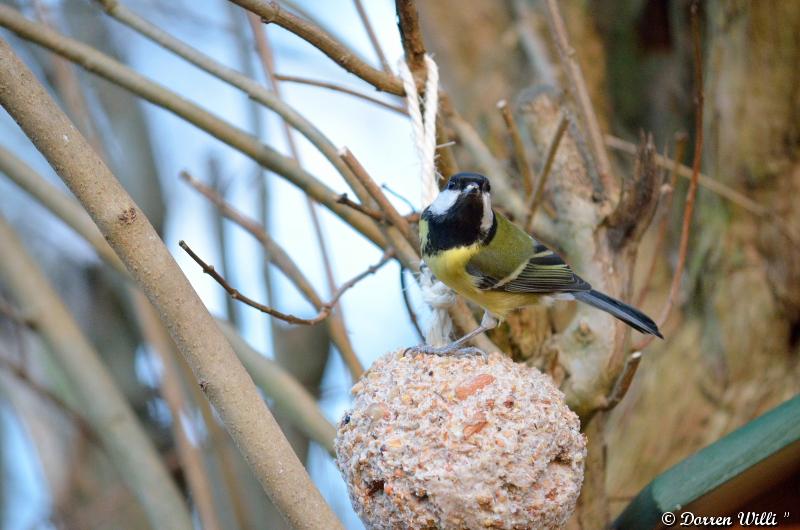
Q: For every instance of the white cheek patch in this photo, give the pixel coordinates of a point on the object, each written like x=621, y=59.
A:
x=488, y=216
x=444, y=201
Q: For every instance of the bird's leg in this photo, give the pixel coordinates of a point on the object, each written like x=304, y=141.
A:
x=488, y=322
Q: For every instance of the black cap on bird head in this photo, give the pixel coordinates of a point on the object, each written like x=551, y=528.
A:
x=462, y=212
x=474, y=182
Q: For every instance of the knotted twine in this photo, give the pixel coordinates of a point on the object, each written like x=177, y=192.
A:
x=423, y=126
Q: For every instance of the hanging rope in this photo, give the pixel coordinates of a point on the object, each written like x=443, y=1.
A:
x=423, y=125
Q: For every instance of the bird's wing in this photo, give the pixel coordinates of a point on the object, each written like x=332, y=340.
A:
x=539, y=270
x=545, y=272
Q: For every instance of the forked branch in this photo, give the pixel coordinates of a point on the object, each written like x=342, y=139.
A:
x=324, y=312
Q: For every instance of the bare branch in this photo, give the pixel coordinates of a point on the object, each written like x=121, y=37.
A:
x=290, y=397
x=375, y=214
x=709, y=183
x=71, y=213
x=111, y=417
x=373, y=38
x=336, y=324
x=80, y=421
x=117, y=73
x=281, y=259
x=222, y=377
x=521, y=157
x=326, y=307
x=625, y=379
x=577, y=85
x=189, y=454
x=407, y=302
x=536, y=198
x=375, y=191
x=271, y=12
x=219, y=70
x=275, y=253
x=343, y=89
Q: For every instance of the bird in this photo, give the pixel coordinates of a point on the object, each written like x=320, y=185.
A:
x=482, y=255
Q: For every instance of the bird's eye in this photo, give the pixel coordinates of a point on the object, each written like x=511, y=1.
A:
x=451, y=185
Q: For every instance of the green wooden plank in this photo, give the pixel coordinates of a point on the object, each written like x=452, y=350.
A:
x=713, y=466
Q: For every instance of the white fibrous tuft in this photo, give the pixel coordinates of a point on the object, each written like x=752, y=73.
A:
x=446, y=442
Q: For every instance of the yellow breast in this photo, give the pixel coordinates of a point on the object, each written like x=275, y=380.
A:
x=450, y=267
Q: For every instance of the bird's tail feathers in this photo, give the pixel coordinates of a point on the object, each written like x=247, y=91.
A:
x=630, y=315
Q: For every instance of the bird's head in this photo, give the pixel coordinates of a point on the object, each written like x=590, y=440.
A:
x=465, y=205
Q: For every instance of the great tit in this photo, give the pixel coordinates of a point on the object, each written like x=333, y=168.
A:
x=482, y=255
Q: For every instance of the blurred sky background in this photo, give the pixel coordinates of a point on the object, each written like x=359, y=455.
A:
x=374, y=312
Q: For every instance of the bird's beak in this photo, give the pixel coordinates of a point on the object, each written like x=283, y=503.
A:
x=472, y=189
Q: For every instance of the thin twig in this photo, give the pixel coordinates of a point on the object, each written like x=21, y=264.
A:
x=412, y=315
x=267, y=58
x=271, y=12
x=253, y=89
x=324, y=312
x=373, y=37
x=281, y=259
x=74, y=416
x=521, y=157
x=501, y=184
x=99, y=397
x=69, y=210
x=414, y=53
x=128, y=231
x=101, y=64
x=378, y=216
x=692, y=191
x=189, y=455
x=336, y=324
x=316, y=16
x=536, y=198
x=667, y=198
x=374, y=190
x=343, y=89
x=709, y=183
x=625, y=379
x=217, y=182
x=532, y=44
x=275, y=253
x=577, y=85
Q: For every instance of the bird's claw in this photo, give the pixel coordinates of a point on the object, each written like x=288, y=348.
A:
x=448, y=349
